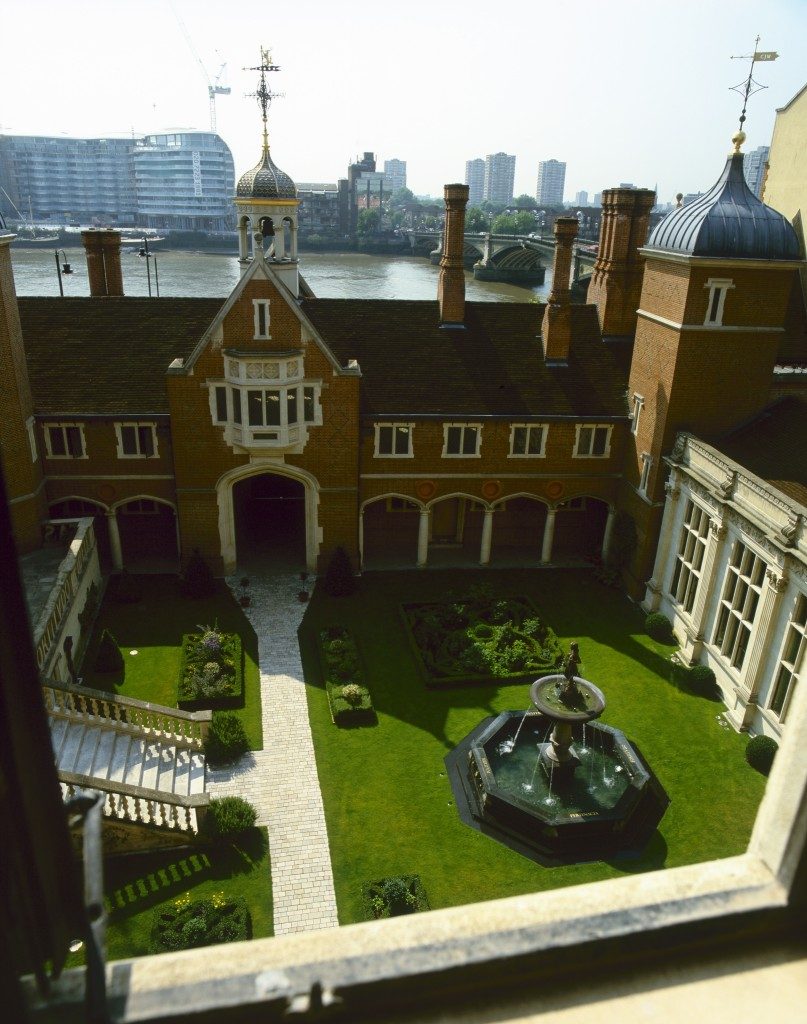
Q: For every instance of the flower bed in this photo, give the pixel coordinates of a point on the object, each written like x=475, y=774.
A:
x=348, y=696
x=187, y=924
x=393, y=897
x=479, y=638
x=211, y=673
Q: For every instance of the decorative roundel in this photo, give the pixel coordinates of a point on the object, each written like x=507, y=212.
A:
x=106, y=492
x=426, y=489
x=554, y=489
x=491, y=489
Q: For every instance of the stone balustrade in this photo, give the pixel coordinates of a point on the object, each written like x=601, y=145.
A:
x=141, y=806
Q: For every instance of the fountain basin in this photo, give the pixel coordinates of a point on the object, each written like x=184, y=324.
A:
x=610, y=801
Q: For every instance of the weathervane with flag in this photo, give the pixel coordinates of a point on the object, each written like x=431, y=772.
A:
x=749, y=86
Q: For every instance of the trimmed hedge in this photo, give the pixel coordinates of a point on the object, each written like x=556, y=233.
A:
x=226, y=688
x=479, y=639
x=228, y=816
x=658, y=627
x=186, y=924
x=701, y=680
x=760, y=752
x=339, y=580
x=393, y=897
x=197, y=579
x=342, y=670
x=226, y=738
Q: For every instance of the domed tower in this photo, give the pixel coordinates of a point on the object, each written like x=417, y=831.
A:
x=266, y=202
x=717, y=282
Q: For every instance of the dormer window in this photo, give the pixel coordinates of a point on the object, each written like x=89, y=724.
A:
x=718, y=289
x=261, y=308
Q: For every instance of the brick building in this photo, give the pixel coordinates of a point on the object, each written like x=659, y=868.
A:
x=277, y=426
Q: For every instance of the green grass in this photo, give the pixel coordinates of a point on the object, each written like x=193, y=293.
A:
x=388, y=803
x=154, y=627
x=137, y=884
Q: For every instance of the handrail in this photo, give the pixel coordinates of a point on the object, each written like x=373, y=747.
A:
x=141, y=805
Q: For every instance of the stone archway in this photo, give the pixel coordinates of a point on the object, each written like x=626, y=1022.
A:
x=519, y=522
x=390, y=526
x=579, y=529
x=147, y=531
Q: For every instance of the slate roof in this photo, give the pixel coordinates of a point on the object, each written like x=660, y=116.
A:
x=107, y=356
x=728, y=222
x=265, y=181
x=773, y=446
x=495, y=367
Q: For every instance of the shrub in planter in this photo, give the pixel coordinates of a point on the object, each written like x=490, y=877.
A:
x=186, y=924
x=211, y=674
x=760, y=753
x=197, y=579
x=226, y=740
x=658, y=627
x=338, y=580
x=701, y=679
x=125, y=588
x=109, y=657
x=228, y=816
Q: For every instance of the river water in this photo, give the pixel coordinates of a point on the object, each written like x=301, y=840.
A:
x=204, y=274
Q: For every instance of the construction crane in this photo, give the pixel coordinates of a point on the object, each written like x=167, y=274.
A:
x=214, y=89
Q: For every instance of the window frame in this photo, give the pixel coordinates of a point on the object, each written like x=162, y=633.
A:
x=644, y=476
x=64, y=426
x=740, y=589
x=393, y=428
x=136, y=426
x=686, y=574
x=261, y=306
x=797, y=627
x=593, y=427
x=529, y=427
x=462, y=427
x=30, y=427
x=638, y=406
x=718, y=287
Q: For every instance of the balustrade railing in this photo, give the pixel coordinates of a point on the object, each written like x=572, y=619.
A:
x=182, y=728
x=142, y=806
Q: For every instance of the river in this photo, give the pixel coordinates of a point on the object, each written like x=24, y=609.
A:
x=203, y=274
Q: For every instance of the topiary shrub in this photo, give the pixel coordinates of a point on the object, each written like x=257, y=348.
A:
x=186, y=924
x=125, y=588
x=109, y=657
x=339, y=580
x=228, y=816
x=701, y=679
x=760, y=753
x=659, y=627
x=394, y=896
x=352, y=693
x=226, y=740
x=197, y=579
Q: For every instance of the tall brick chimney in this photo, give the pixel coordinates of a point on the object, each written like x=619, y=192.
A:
x=616, y=281
x=102, y=247
x=556, y=329
x=451, y=286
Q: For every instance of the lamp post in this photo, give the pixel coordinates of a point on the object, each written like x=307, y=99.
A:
x=148, y=256
x=62, y=268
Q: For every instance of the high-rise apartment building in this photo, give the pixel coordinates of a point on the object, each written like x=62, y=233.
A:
x=551, y=179
x=581, y=198
x=500, y=174
x=395, y=173
x=475, y=180
x=182, y=180
x=754, y=168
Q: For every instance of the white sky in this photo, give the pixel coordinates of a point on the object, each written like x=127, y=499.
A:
x=622, y=90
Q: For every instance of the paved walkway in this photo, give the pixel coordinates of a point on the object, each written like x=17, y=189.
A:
x=281, y=780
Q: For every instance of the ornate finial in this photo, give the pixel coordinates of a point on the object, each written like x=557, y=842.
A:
x=749, y=86
x=263, y=93
x=738, y=139
x=679, y=200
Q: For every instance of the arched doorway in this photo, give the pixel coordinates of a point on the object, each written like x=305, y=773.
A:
x=579, y=529
x=270, y=522
x=148, y=535
x=390, y=532
x=518, y=531
x=76, y=508
x=455, y=530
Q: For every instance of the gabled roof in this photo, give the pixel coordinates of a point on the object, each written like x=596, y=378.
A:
x=773, y=445
x=108, y=356
x=495, y=367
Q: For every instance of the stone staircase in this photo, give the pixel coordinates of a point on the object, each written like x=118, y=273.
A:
x=148, y=760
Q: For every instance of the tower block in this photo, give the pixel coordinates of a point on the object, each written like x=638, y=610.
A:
x=21, y=463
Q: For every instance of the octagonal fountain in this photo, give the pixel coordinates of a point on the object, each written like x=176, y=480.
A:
x=554, y=783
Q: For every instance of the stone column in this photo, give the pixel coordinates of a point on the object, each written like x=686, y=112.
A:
x=114, y=540
x=487, y=537
x=243, y=242
x=608, y=533
x=280, y=238
x=549, y=534
x=752, y=675
x=423, y=537
x=293, y=239
x=179, y=535
x=655, y=585
x=361, y=540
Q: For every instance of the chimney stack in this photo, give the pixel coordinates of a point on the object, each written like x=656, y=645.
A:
x=556, y=329
x=616, y=281
x=102, y=246
x=451, y=286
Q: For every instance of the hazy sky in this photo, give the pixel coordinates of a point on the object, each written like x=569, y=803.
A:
x=622, y=90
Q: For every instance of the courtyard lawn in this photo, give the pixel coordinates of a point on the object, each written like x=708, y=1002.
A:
x=137, y=884
x=388, y=803
x=153, y=627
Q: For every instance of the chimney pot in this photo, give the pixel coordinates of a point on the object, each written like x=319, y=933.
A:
x=451, y=283
x=556, y=329
x=102, y=247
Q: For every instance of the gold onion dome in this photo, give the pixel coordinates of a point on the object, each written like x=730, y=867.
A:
x=266, y=181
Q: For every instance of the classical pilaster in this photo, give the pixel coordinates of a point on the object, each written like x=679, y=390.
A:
x=655, y=585
x=487, y=537
x=423, y=537
x=549, y=535
x=752, y=676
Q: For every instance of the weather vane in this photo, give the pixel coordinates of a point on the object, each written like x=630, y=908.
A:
x=749, y=86
x=264, y=94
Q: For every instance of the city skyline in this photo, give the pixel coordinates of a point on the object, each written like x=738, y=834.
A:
x=330, y=112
